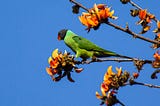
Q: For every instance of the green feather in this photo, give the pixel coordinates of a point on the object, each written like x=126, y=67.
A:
x=89, y=46
x=85, y=48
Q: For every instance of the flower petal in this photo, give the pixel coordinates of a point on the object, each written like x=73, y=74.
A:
x=78, y=70
x=96, y=11
x=108, y=74
x=55, y=53
x=119, y=71
x=101, y=6
x=49, y=59
x=104, y=89
x=49, y=71
x=98, y=96
x=158, y=24
x=142, y=14
x=157, y=56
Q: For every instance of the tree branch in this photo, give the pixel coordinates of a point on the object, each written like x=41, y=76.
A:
x=132, y=82
x=127, y=30
x=112, y=59
x=80, y=5
x=135, y=5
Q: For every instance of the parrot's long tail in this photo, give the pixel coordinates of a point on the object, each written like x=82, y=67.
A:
x=117, y=55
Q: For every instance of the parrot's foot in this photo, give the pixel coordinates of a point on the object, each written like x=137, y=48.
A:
x=95, y=59
x=83, y=61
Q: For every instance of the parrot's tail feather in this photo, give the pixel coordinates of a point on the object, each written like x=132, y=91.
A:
x=123, y=56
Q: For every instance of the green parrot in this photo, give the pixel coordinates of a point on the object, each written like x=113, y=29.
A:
x=83, y=47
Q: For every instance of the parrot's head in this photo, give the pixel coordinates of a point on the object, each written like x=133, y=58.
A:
x=62, y=34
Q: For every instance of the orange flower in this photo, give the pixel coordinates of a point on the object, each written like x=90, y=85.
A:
x=135, y=75
x=119, y=71
x=54, y=59
x=145, y=18
x=158, y=24
x=143, y=15
x=53, y=62
x=55, y=53
x=157, y=30
x=158, y=35
x=51, y=72
x=103, y=98
x=107, y=80
x=96, y=15
x=61, y=64
x=98, y=96
x=156, y=62
x=157, y=38
x=113, y=80
x=108, y=74
x=104, y=88
x=157, y=56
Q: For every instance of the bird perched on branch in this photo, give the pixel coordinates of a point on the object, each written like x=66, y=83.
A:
x=83, y=47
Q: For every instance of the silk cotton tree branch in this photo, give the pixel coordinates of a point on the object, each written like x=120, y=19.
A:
x=113, y=59
x=62, y=64
x=137, y=62
x=132, y=82
x=126, y=30
x=134, y=4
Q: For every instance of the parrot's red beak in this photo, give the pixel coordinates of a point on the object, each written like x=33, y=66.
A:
x=59, y=37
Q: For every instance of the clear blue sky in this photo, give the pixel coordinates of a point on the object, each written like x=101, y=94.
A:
x=28, y=30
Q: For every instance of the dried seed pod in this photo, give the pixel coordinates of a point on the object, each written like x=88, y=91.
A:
x=124, y=1
x=134, y=12
x=75, y=9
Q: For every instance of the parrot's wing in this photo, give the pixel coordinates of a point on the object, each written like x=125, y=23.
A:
x=86, y=44
x=89, y=46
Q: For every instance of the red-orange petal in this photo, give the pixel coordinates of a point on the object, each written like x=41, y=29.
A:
x=158, y=24
x=101, y=6
x=157, y=56
x=135, y=75
x=158, y=35
x=78, y=70
x=104, y=89
x=148, y=20
x=142, y=14
x=98, y=96
x=49, y=71
x=54, y=63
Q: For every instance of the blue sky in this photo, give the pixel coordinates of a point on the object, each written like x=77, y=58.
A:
x=29, y=35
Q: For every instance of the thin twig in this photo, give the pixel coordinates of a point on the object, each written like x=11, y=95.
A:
x=144, y=84
x=135, y=5
x=111, y=59
x=127, y=30
x=154, y=74
x=73, y=1
x=103, y=60
x=121, y=103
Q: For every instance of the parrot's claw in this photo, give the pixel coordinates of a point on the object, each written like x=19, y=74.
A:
x=83, y=61
x=95, y=59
